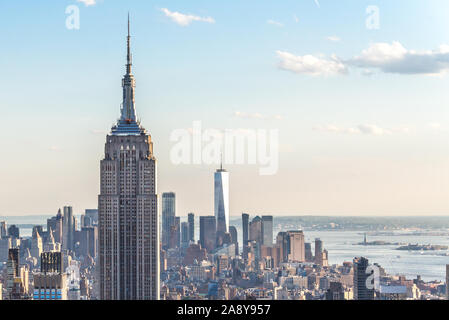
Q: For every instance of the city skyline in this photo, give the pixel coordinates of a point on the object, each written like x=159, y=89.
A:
x=357, y=137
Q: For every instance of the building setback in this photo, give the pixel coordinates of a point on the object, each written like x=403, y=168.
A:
x=128, y=215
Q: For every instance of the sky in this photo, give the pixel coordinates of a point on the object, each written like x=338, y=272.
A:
x=357, y=91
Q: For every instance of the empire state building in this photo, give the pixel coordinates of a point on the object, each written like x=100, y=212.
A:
x=127, y=205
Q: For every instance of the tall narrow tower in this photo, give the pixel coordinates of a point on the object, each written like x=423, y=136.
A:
x=221, y=199
x=127, y=206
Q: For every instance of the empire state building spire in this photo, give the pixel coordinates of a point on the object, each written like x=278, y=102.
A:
x=128, y=112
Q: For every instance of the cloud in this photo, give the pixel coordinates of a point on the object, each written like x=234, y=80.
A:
x=240, y=114
x=295, y=18
x=310, y=65
x=333, y=38
x=317, y=3
x=275, y=23
x=365, y=129
x=395, y=58
x=383, y=57
x=88, y=2
x=185, y=19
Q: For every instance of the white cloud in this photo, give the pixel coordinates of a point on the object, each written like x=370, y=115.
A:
x=295, y=17
x=395, y=58
x=311, y=65
x=333, y=38
x=88, y=2
x=185, y=19
x=275, y=23
x=383, y=57
x=54, y=148
x=256, y=115
x=366, y=129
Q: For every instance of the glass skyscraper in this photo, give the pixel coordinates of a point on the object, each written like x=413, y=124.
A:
x=221, y=200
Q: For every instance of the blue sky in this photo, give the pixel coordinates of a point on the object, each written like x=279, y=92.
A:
x=350, y=143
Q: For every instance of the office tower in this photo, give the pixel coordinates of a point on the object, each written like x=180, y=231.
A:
x=51, y=262
x=37, y=230
x=12, y=269
x=5, y=245
x=255, y=230
x=3, y=229
x=221, y=200
x=191, y=221
x=127, y=207
x=13, y=231
x=168, y=216
x=283, y=242
x=234, y=238
x=361, y=290
x=51, y=282
x=16, y=277
x=175, y=234
x=92, y=214
x=55, y=224
x=88, y=242
x=245, y=226
x=208, y=233
x=267, y=230
x=68, y=229
x=297, y=250
x=308, y=252
x=185, y=234
x=318, y=252
x=36, y=245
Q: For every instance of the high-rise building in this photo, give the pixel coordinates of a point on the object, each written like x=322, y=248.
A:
x=13, y=231
x=221, y=200
x=175, y=234
x=127, y=207
x=92, y=214
x=51, y=262
x=318, y=252
x=51, y=282
x=168, y=216
x=245, y=226
x=185, y=234
x=191, y=221
x=234, y=238
x=361, y=290
x=55, y=224
x=308, y=252
x=297, y=249
x=267, y=230
x=88, y=241
x=68, y=229
x=255, y=230
x=208, y=233
x=3, y=229
x=16, y=277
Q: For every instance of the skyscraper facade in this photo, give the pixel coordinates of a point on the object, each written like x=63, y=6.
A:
x=297, y=247
x=127, y=206
x=208, y=232
x=245, y=226
x=168, y=216
x=221, y=200
x=191, y=221
x=267, y=230
x=361, y=290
